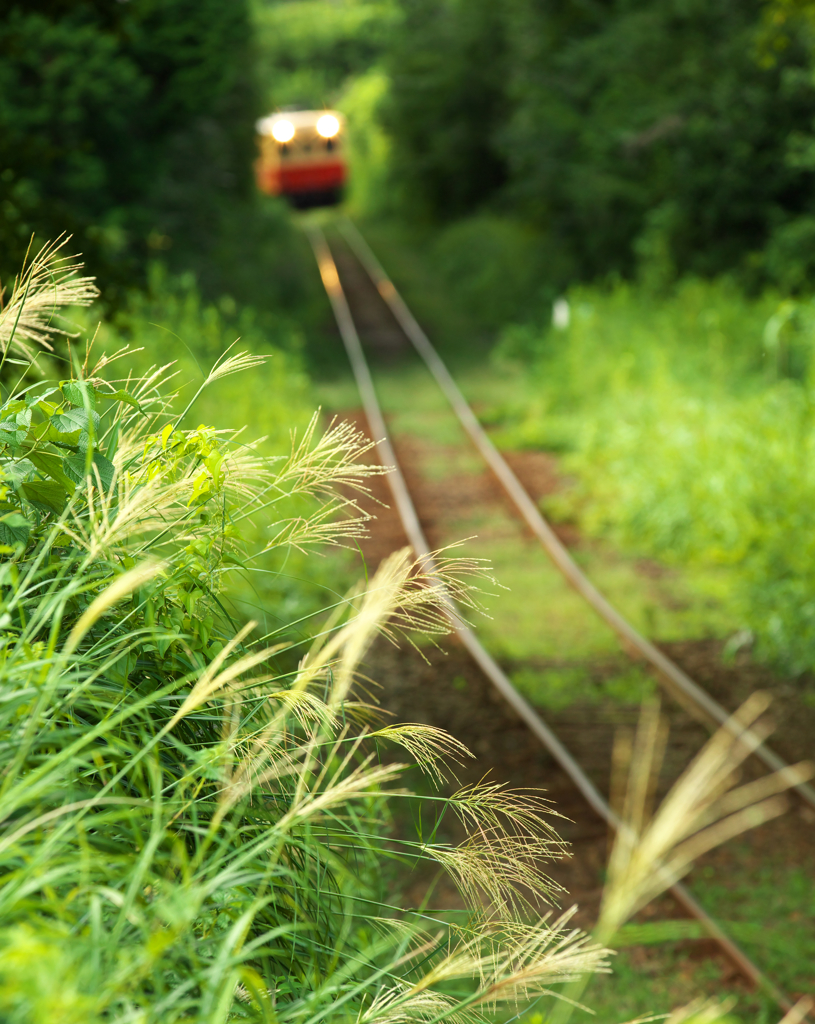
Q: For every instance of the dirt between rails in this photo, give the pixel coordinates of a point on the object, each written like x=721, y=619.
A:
x=444, y=688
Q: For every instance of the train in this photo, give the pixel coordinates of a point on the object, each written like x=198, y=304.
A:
x=302, y=156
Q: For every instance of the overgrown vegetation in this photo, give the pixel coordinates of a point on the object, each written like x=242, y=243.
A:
x=130, y=126
x=119, y=121
x=195, y=801
x=309, y=50
x=193, y=809
x=654, y=132
x=687, y=421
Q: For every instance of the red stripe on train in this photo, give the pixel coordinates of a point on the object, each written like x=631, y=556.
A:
x=308, y=177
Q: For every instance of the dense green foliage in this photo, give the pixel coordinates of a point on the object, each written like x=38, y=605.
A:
x=309, y=49
x=131, y=126
x=110, y=109
x=657, y=133
x=138, y=888
x=688, y=422
x=448, y=65
x=169, y=320
x=193, y=808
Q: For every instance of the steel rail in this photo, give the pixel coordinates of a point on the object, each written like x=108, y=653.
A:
x=493, y=671
x=683, y=689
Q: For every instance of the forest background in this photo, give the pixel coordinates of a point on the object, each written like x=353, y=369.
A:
x=669, y=133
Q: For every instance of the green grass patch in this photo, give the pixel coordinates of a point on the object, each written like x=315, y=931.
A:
x=194, y=805
x=555, y=689
x=769, y=907
x=688, y=428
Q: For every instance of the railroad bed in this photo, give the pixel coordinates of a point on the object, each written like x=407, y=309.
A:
x=452, y=691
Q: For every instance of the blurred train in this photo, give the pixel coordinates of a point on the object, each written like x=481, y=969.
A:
x=302, y=156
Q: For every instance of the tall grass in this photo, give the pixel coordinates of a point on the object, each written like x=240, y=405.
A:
x=687, y=420
x=656, y=846
x=193, y=809
x=171, y=320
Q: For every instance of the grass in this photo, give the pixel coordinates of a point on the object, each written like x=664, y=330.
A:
x=762, y=899
x=689, y=438
x=684, y=419
x=659, y=978
x=555, y=689
x=193, y=811
x=768, y=903
x=170, y=323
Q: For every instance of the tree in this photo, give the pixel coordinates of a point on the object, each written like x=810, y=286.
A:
x=651, y=129
x=633, y=133
x=447, y=64
x=127, y=124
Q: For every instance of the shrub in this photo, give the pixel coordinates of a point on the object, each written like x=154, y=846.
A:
x=492, y=266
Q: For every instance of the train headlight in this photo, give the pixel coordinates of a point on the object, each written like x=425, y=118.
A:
x=328, y=126
x=283, y=131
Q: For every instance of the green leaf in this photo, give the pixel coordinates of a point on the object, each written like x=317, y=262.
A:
x=75, y=467
x=39, y=393
x=122, y=396
x=74, y=419
x=14, y=529
x=71, y=438
x=230, y=559
x=22, y=419
x=47, y=495
x=12, y=437
x=53, y=466
x=105, y=468
x=163, y=643
x=79, y=393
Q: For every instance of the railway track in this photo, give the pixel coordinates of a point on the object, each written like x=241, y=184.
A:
x=695, y=700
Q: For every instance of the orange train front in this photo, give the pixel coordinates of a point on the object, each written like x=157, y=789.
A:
x=302, y=156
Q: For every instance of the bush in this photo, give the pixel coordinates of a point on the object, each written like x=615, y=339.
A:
x=492, y=266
